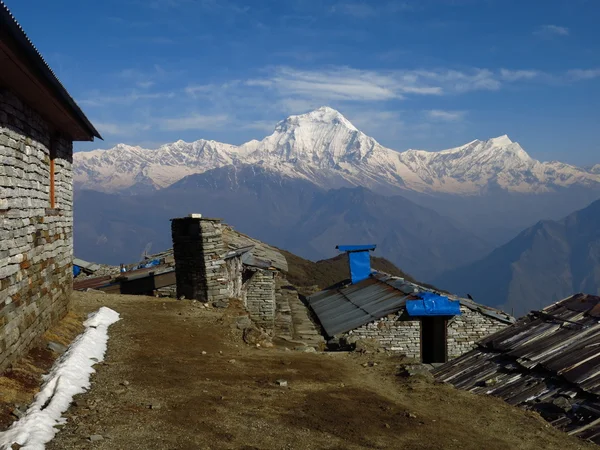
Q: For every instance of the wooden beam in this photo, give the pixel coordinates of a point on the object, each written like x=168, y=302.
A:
x=52, y=195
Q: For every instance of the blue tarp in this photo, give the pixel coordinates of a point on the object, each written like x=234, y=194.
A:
x=154, y=262
x=360, y=266
x=432, y=304
x=76, y=271
x=355, y=248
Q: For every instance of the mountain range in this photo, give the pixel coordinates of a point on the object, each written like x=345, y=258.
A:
x=542, y=265
x=317, y=181
x=323, y=147
x=290, y=213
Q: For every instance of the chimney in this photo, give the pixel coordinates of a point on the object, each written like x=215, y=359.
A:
x=198, y=249
x=359, y=260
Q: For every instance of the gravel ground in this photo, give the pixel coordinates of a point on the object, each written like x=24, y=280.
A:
x=178, y=376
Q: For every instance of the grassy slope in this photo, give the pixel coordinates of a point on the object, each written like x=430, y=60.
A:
x=322, y=274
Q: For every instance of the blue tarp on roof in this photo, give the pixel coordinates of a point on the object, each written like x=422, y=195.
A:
x=360, y=266
x=432, y=304
x=76, y=270
x=356, y=248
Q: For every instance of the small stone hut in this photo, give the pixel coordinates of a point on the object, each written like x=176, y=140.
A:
x=403, y=317
x=215, y=264
x=38, y=123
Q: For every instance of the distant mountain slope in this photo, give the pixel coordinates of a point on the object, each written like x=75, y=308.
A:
x=543, y=264
x=309, y=276
x=323, y=147
x=290, y=213
x=415, y=238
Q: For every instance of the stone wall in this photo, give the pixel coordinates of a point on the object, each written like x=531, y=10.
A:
x=401, y=333
x=198, y=249
x=260, y=298
x=36, y=242
x=468, y=328
x=394, y=332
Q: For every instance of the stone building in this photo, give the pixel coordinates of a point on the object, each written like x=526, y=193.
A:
x=402, y=316
x=38, y=123
x=215, y=264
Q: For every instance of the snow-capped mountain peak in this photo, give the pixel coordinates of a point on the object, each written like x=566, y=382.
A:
x=322, y=146
x=324, y=116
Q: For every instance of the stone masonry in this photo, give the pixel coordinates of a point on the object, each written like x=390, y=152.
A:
x=401, y=333
x=200, y=268
x=36, y=244
x=468, y=328
x=260, y=298
x=204, y=272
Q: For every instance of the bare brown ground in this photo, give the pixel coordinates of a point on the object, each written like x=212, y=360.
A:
x=228, y=399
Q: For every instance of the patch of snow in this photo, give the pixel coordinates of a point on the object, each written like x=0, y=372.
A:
x=69, y=376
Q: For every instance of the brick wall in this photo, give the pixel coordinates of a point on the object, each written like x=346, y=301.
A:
x=399, y=333
x=260, y=298
x=36, y=243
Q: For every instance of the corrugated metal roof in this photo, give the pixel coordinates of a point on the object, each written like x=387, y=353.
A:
x=234, y=239
x=347, y=308
x=91, y=267
x=547, y=358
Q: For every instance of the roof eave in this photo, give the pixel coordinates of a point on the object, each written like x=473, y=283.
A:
x=42, y=70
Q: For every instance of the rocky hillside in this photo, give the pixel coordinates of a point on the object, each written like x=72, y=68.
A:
x=290, y=213
x=543, y=264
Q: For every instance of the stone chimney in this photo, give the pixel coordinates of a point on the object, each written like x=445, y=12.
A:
x=198, y=249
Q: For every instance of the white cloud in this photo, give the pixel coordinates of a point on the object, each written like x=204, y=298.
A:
x=120, y=129
x=551, y=30
x=124, y=99
x=199, y=89
x=145, y=84
x=446, y=116
x=583, y=74
x=335, y=84
x=369, y=9
x=194, y=122
x=348, y=84
x=261, y=125
x=516, y=75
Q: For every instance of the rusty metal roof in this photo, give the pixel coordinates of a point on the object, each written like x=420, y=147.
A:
x=346, y=307
x=548, y=361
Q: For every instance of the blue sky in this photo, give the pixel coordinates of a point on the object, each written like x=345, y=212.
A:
x=427, y=74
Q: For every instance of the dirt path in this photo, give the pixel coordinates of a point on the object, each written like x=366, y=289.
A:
x=157, y=390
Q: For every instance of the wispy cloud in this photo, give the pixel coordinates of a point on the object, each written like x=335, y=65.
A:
x=348, y=84
x=366, y=10
x=446, y=116
x=551, y=30
x=517, y=75
x=99, y=100
x=583, y=74
x=195, y=122
x=120, y=129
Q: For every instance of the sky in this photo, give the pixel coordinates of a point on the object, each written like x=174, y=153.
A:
x=425, y=74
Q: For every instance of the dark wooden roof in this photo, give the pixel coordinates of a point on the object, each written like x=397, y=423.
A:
x=548, y=361
x=25, y=72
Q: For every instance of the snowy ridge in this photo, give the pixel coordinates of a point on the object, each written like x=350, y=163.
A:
x=323, y=147
x=69, y=376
